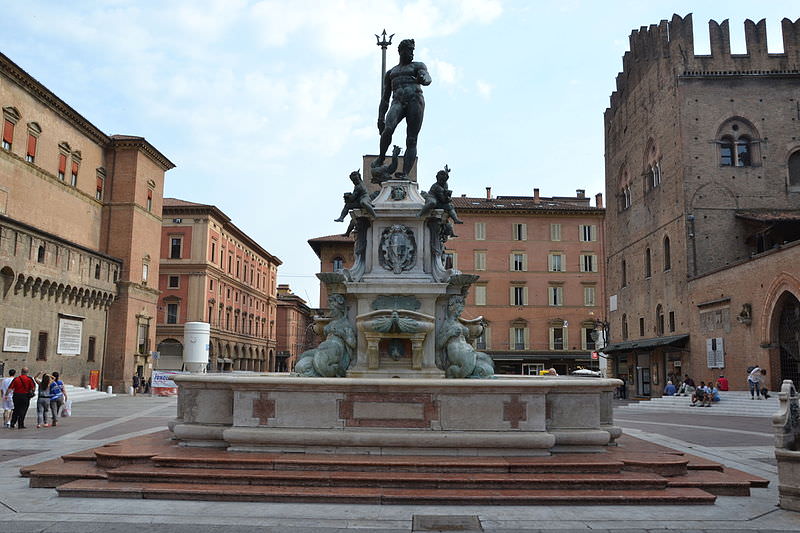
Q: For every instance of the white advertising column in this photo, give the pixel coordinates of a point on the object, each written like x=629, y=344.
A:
x=196, y=346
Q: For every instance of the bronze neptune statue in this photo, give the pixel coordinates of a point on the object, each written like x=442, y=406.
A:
x=404, y=83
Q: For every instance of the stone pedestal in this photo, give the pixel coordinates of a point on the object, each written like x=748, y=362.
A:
x=534, y=415
x=786, y=423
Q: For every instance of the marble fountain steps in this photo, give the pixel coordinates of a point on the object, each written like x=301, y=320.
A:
x=635, y=472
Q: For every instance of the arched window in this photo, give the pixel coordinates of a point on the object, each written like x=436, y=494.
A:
x=667, y=258
x=624, y=327
x=794, y=171
x=652, y=164
x=743, y=152
x=737, y=140
x=659, y=320
x=647, y=264
x=40, y=254
x=338, y=264
x=726, y=151
x=624, y=194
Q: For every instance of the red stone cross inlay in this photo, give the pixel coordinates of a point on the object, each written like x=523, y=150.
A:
x=263, y=408
x=515, y=411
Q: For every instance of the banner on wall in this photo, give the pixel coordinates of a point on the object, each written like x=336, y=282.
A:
x=17, y=340
x=161, y=383
x=69, y=336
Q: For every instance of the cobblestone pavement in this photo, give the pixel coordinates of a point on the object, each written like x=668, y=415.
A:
x=739, y=442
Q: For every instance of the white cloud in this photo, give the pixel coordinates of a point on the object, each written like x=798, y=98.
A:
x=484, y=88
x=443, y=72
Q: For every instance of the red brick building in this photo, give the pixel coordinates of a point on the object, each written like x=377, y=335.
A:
x=541, y=276
x=211, y=271
x=703, y=160
x=80, y=218
x=294, y=334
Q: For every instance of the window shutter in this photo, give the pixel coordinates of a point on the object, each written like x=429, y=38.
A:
x=511, y=262
x=74, y=167
x=551, y=338
x=511, y=295
x=593, y=232
x=524, y=232
x=62, y=163
x=525, y=262
x=565, y=331
x=511, y=339
x=31, y=145
x=8, y=132
x=720, y=355
x=487, y=335
x=525, y=295
x=526, y=339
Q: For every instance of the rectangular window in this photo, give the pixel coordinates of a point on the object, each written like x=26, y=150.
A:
x=555, y=295
x=589, y=294
x=30, y=156
x=519, y=295
x=172, y=313
x=480, y=295
x=143, y=337
x=91, y=349
x=213, y=250
x=238, y=267
x=145, y=272
x=149, y=204
x=480, y=260
x=480, y=231
x=557, y=338
x=672, y=320
x=41, y=352
x=98, y=195
x=555, y=262
x=555, y=232
x=8, y=134
x=173, y=282
x=211, y=284
x=62, y=166
x=587, y=339
x=480, y=341
x=588, y=263
x=641, y=326
x=519, y=262
x=588, y=233
x=230, y=263
x=518, y=338
x=175, y=244
x=74, y=177
x=715, y=352
x=520, y=232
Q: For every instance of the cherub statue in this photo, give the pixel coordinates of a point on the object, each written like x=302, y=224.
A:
x=358, y=199
x=440, y=197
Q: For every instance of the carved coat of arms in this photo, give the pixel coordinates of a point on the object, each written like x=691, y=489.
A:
x=398, y=248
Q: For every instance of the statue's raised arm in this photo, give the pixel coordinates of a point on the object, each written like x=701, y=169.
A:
x=403, y=83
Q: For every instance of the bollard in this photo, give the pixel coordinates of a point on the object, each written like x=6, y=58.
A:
x=130, y=390
x=109, y=389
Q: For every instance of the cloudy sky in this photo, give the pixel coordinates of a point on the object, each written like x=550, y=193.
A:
x=266, y=106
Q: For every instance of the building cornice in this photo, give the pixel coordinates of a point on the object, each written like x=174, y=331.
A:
x=41, y=93
x=124, y=142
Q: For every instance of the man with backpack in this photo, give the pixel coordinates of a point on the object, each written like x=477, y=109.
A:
x=24, y=389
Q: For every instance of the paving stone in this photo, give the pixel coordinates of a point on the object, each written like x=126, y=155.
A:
x=446, y=523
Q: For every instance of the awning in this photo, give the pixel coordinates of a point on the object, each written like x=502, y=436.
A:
x=646, y=344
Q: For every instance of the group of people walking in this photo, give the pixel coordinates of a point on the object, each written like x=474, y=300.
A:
x=18, y=391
